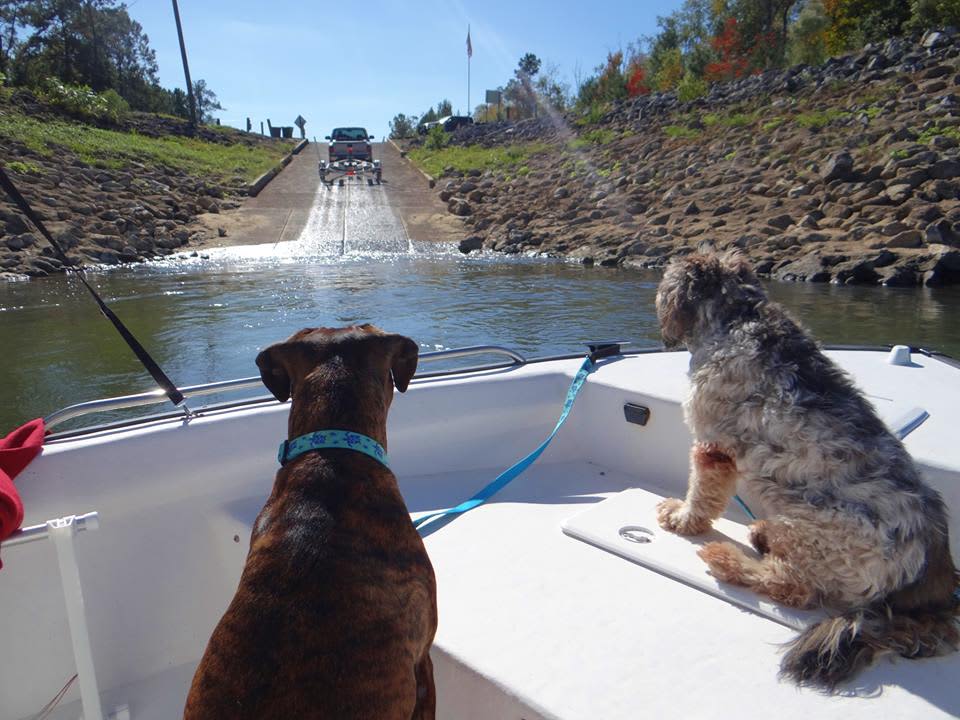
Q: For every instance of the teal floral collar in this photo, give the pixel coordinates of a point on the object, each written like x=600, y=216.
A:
x=322, y=439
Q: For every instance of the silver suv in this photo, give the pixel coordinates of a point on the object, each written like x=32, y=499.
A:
x=350, y=143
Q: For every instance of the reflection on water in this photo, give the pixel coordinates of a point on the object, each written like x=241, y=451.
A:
x=206, y=319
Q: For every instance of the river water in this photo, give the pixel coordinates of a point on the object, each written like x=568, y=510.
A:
x=205, y=319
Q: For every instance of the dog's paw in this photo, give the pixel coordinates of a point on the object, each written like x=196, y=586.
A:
x=674, y=515
x=758, y=536
x=724, y=561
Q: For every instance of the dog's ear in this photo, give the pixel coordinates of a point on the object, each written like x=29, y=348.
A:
x=740, y=266
x=273, y=371
x=403, y=360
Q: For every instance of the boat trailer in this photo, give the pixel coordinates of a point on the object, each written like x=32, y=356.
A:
x=339, y=170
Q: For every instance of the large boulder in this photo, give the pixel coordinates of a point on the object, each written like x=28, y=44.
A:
x=838, y=167
x=469, y=244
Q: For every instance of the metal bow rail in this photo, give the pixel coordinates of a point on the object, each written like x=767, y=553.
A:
x=156, y=397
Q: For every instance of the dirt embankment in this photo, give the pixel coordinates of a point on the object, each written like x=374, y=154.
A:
x=128, y=191
x=848, y=172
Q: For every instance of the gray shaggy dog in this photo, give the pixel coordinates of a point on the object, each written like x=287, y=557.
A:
x=849, y=523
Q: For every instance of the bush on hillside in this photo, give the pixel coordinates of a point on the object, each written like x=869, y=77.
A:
x=80, y=101
x=691, y=88
x=437, y=139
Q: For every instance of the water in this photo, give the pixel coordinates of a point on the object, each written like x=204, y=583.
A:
x=206, y=320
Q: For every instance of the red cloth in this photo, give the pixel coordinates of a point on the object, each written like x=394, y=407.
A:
x=16, y=451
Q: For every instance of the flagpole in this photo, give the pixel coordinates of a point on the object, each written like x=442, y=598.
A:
x=469, y=55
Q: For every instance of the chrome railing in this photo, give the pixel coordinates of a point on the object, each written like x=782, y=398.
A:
x=157, y=397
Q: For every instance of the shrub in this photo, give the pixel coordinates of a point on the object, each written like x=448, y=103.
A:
x=115, y=106
x=437, y=139
x=691, y=88
x=81, y=101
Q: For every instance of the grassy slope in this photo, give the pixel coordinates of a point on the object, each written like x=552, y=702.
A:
x=113, y=149
x=683, y=125
x=510, y=159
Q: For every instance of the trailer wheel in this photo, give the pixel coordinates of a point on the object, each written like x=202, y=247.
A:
x=340, y=182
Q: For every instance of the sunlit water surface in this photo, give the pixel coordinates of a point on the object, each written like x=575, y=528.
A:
x=205, y=319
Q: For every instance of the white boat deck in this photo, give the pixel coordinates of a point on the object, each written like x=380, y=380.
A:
x=567, y=630
x=533, y=623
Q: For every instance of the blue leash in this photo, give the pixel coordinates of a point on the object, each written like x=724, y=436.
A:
x=515, y=470
x=518, y=467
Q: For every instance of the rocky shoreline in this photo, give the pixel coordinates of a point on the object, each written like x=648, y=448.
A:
x=848, y=173
x=104, y=215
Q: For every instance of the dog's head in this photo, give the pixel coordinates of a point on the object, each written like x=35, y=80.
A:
x=364, y=350
x=703, y=290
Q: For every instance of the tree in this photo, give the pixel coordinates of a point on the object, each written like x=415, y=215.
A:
x=444, y=108
x=81, y=42
x=11, y=12
x=206, y=101
x=485, y=112
x=762, y=26
x=856, y=22
x=671, y=70
x=550, y=89
x=636, y=78
x=133, y=62
x=807, y=37
x=926, y=14
x=402, y=126
x=529, y=65
x=520, y=92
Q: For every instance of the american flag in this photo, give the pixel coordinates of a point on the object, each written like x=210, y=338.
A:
x=469, y=44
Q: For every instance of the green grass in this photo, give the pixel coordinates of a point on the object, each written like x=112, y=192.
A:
x=898, y=154
x=731, y=120
x=476, y=157
x=878, y=94
x=680, y=132
x=773, y=124
x=116, y=150
x=593, y=137
x=929, y=134
x=24, y=168
x=817, y=120
x=593, y=114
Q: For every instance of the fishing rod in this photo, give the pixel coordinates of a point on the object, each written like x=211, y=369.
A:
x=151, y=366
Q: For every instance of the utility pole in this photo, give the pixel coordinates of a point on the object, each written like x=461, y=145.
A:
x=186, y=68
x=469, y=55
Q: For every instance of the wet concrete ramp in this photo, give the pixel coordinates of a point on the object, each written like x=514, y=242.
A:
x=352, y=219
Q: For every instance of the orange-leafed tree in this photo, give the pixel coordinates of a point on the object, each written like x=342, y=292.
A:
x=636, y=79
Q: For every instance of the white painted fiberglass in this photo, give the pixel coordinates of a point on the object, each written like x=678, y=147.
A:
x=533, y=623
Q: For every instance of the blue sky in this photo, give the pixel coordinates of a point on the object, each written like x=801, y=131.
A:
x=278, y=58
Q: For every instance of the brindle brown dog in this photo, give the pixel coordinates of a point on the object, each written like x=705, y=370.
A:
x=336, y=609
